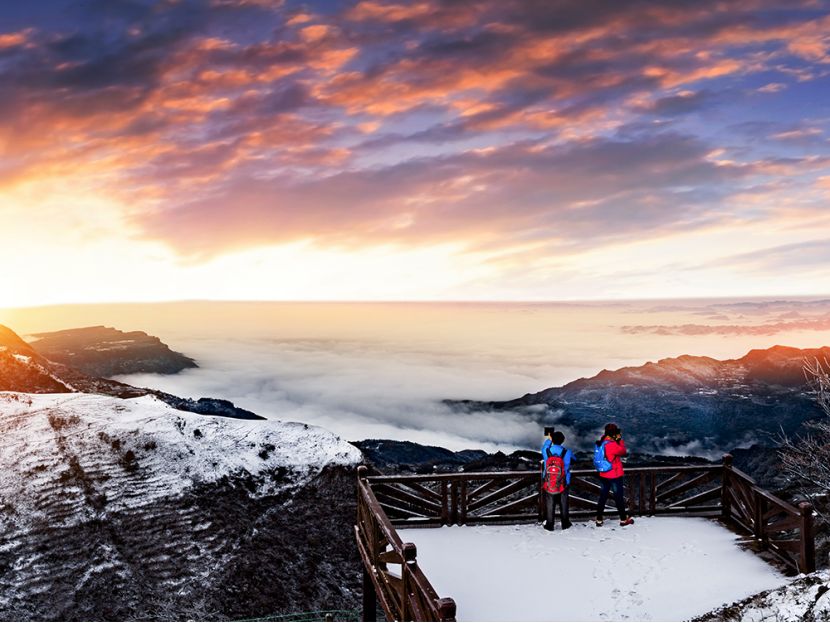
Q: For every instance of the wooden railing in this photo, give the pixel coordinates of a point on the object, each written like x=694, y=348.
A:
x=388, y=502
x=390, y=568
x=780, y=528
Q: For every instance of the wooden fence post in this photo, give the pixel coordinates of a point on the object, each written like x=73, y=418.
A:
x=641, y=497
x=446, y=609
x=760, y=524
x=652, y=496
x=445, y=508
x=410, y=552
x=462, y=515
x=369, y=609
x=369, y=598
x=633, y=490
x=807, y=562
x=454, y=503
x=726, y=510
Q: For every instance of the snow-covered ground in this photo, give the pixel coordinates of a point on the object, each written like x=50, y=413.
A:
x=663, y=568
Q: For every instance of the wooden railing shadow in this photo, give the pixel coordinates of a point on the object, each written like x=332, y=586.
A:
x=393, y=577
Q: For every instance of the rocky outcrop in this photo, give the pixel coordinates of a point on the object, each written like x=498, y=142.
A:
x=24, y=370
x=21, y=373
x=105, y=351
x=206, y=406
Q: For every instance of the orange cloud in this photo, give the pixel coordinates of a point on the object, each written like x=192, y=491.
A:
x=388, y=12
x=14, y=39
x=299, y=18
x=312, y=34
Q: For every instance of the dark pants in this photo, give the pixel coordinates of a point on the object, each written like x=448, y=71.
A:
x=617, y=484
x=551, y=501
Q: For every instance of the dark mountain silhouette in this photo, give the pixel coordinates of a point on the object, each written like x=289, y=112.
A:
x=105, y=351
x=687, y=404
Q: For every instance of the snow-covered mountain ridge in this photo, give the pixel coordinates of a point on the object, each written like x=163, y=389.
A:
x=123, y=440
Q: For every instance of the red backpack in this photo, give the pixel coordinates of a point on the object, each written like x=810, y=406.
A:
x=554, y=481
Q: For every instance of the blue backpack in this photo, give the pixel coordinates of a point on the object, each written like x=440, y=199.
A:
x=601, y=463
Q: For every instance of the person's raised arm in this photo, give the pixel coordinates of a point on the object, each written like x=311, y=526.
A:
x=623, y=449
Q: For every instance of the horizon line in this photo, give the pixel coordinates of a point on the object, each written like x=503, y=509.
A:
x=756, y=297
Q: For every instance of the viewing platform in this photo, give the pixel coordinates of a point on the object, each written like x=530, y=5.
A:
x=694, y=544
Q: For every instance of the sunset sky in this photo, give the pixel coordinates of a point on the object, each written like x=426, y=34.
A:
x=491, y=150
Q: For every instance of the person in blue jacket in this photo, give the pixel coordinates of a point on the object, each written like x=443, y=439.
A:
x=552, y=446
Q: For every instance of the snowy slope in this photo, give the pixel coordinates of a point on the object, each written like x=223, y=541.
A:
x=108, y=504
x=662, y=568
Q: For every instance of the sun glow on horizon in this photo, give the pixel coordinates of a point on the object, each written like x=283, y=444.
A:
x=69, y=247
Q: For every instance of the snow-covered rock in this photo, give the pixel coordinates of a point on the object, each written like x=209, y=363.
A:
x=806, y=599
x=114, y=508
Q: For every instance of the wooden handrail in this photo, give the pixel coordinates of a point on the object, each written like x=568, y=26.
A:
x=459, y=476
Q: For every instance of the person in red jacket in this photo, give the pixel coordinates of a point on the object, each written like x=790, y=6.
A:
x=614, y=451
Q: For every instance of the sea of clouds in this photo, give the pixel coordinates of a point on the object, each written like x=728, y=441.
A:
x=362, y=389
x=378, y=386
